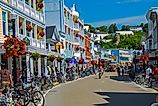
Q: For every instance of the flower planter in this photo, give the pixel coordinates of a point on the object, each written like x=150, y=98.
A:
x=28, y=28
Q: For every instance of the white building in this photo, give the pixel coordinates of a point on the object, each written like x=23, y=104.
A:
x=27, y=14
x=68, y=24
x=152, y=36
x=125, y=32
x=136, y=29
x=100, y=36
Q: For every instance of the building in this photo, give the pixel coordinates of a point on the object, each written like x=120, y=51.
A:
x=136, y=28
x=152, y=36
x=87, y=42
x=69, y=25
x=30, y=27
x=124, y=33
x=100, y=36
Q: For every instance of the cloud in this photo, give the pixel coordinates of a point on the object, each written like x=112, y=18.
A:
x=135, y=20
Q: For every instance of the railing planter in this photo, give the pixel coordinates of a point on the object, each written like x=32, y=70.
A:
x=51, y=57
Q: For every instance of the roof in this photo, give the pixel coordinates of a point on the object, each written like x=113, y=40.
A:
x=52, y=33
x=49, y=31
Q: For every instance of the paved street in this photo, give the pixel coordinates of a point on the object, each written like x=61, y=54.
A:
x=109, y=91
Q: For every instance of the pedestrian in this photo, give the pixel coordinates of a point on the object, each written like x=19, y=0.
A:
x=155, y=104
x=123, y=70
x=118, y=71
x=149, y=74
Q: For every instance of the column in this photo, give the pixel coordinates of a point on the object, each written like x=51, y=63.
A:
x=28, y=65
x=24, y=28
x=35, y=31
x=45, y=64
x=17, y=26
x=32, y=66
x=39, y=67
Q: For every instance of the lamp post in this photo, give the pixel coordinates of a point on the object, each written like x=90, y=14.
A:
x=14, y=72
x=59, y=44
x=143, y=50
x=135, y=55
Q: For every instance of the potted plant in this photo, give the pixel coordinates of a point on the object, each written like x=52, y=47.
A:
x=28, y=27
x=67, y=60
x=51, y=57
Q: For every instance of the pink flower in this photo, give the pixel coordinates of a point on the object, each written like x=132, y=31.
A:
x=12, y=46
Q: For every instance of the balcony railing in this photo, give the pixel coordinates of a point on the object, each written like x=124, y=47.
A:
x=76, y=26
x=34, y=42
x=27, y=9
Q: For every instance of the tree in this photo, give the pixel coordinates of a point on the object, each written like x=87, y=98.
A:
x=103, y=29
x=91, y=28
x=125, y=28
x=113, y=28
x=145, y=28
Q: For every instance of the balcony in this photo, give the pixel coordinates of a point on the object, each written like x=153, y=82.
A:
x=76, y=26
x=27, y=9
x=34, y=42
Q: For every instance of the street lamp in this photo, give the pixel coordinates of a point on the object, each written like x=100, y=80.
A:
x=143, y=50
x=135, y=55
x=13, y=18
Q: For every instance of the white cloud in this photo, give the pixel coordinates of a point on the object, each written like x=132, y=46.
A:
x=135, y=20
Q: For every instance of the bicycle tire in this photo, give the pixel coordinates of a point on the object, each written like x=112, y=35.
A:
x=42, y=99
x=24, y=99
x=137, y=80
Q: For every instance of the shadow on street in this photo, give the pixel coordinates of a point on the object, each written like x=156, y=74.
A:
x=124, y=78
x=127, y=99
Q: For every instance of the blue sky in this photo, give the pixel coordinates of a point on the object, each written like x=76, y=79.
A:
x=105, y=12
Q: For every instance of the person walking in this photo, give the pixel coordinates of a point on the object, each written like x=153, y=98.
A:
x=149, y=74
x=118, y=71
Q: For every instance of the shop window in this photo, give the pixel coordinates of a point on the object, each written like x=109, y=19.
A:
x=4, y=22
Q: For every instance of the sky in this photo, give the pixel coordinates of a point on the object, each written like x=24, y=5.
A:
x=105, y=12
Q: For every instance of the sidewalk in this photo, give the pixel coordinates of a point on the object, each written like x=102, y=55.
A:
x=155, y=85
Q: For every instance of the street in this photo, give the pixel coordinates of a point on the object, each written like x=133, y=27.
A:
x=110, y=91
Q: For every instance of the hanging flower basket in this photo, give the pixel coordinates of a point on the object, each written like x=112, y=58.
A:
x=20, y=24
x=14, y=46
x=35, y=56
x=51, y=57
x=38, y=1
x=40, y=6
x=59, y=59
x=81, y=61
x=67, y=60
x=77, y=48
x=28, y=27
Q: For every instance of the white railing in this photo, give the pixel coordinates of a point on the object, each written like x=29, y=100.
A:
x=23, y=7
x=34, y=42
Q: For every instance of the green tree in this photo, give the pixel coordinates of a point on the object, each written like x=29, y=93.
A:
x=125, y=28
x=113, y=28
x=91, y=28
x=145, y=28
x=103, y=29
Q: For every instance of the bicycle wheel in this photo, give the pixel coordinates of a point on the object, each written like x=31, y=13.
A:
x=147, y=82
x=24, y=98
x=137, y=80
x=38, y=98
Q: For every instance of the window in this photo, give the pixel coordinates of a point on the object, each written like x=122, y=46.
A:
x=4, y=22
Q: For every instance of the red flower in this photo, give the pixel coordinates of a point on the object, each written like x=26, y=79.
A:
x=40, y=5
x=42, y=34
x=20, y=24
x=28, y=27
x=14, y=47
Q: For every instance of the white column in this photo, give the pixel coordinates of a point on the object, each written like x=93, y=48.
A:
x=17, y=26
x=39, y=67
x=24, y=28
x=28, y=65
x=45, y=63
x=32, y=66
x=35, y=32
